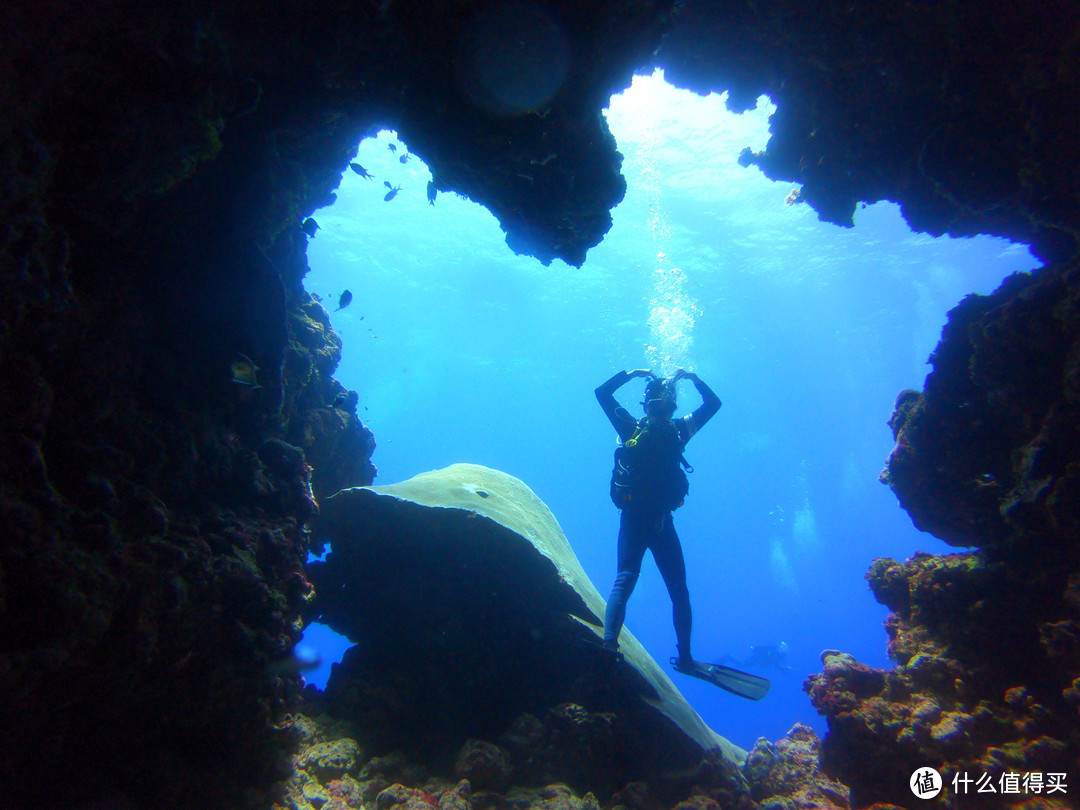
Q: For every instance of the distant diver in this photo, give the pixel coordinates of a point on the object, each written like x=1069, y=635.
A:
x=309, y=226
x=405, y=157
x=391, y=147
x=343, y=301
x=648, y=483
x=769, y=655
x=392, y=192
x=360, y=170
x=765, y=656
x=431, y=192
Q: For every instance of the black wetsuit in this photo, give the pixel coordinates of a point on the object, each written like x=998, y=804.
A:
x=649, y=526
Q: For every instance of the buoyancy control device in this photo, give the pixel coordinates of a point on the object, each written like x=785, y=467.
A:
x=650, y=470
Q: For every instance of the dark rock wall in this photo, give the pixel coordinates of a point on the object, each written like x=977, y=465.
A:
x=152, y=567
x=987, y=454
x=156, y=161
x=987, y=642
x=963, y=113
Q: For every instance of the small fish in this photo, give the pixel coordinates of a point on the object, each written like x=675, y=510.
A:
x=431, y=192
x=392, y=192
x=344, y=301
x=244, y=371
x=391, y=147
x=309, y=226
x=360, y=170
x=405, y=158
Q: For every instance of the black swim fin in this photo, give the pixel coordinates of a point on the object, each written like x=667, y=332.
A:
x=743, y=684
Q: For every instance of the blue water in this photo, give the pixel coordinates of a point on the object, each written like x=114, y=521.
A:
x=461, y=351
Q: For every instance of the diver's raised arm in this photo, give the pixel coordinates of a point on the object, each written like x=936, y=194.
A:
x=605, y=395
x=620, y=379
x=710, y=402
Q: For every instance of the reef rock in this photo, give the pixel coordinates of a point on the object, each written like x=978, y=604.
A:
x=788, y=773
x=485, y=765
x=976, y=690
x=469, y=609
x=987, y=642
x=989, y=451
x=885, y=101
x=331, y=759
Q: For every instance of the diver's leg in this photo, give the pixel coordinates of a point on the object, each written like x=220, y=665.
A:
x=632, y=544
x=667, y=551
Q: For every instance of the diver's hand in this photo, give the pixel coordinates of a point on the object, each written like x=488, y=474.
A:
x=683, y=374
x=640, y=372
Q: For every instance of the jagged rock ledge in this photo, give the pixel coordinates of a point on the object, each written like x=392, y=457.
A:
x=987, y=642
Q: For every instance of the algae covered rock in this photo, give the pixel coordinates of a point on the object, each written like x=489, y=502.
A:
x=788, y=773
x=333, y=758
x=469, y=609
x=974, y=690
x=485, y=765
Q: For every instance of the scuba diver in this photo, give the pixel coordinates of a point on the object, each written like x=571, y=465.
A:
x=648, y=483
x=764, y=656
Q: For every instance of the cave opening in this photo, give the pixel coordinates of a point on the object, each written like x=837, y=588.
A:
x=461, y=351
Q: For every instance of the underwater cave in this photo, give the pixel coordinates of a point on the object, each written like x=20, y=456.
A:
x=461, y=351
x=178, y=415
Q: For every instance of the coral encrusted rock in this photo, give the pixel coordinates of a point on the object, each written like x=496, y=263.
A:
x=469, y=609
x=788, y=773
x=976, y=689
x=987, y=641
